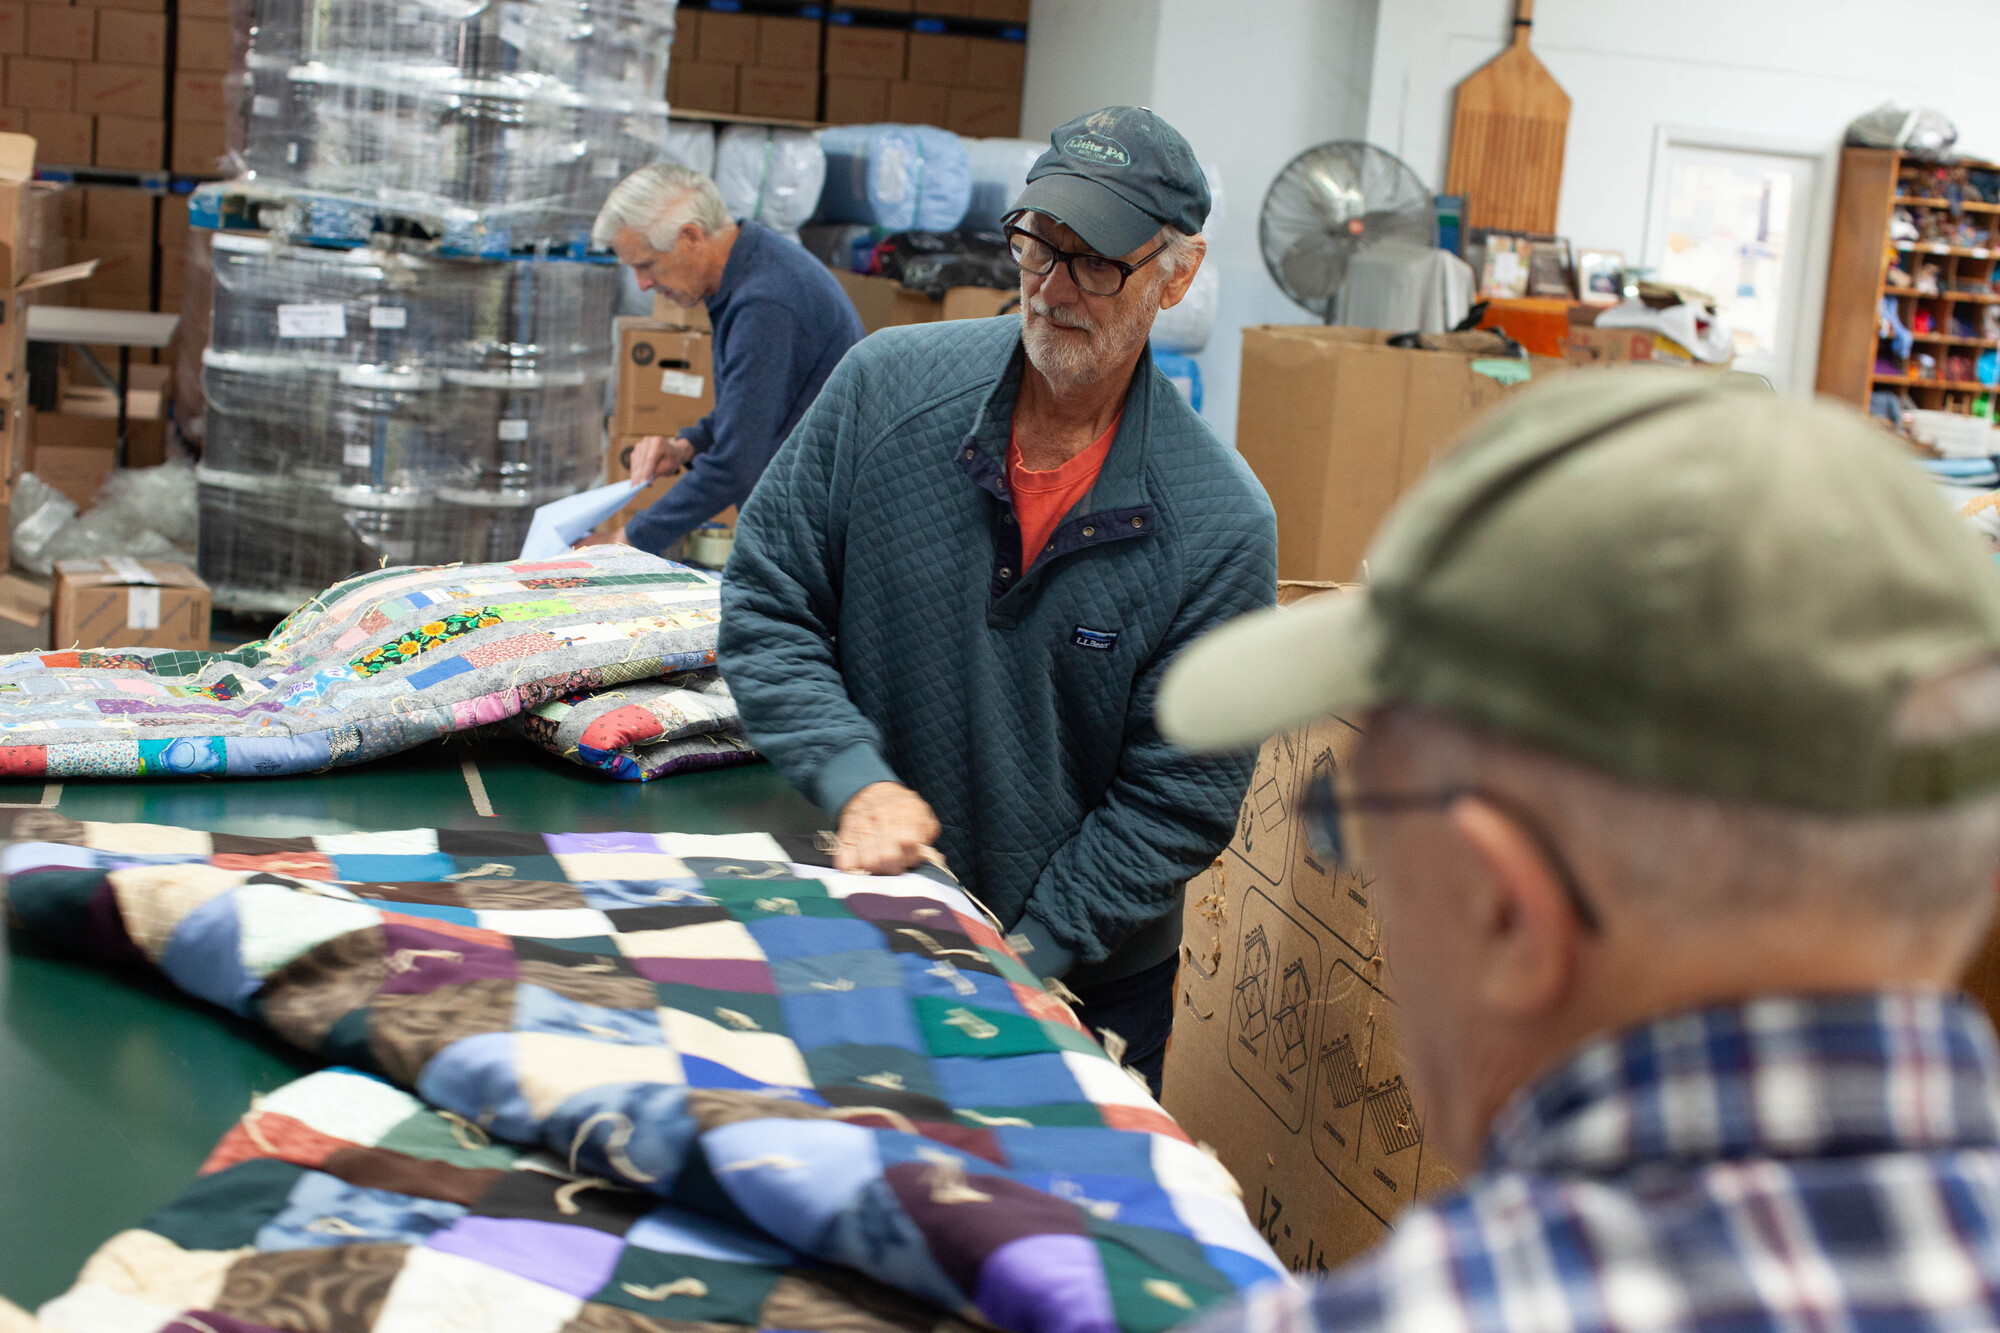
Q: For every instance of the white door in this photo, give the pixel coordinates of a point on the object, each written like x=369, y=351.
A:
x=1746, y=224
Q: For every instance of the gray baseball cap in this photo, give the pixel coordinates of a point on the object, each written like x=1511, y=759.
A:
x=1670, y=576
x=1115, y=177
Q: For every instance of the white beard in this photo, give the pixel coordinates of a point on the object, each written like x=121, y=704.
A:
x=1093, y=350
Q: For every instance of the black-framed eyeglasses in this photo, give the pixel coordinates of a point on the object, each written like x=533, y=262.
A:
x=1321, y=806
x=1092, y=273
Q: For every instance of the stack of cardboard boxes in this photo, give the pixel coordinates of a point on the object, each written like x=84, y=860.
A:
x=761, y=65
x=666, y=383
x=969, y=85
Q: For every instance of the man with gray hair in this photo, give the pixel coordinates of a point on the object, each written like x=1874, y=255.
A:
x=1679, y=785
x=952, y=598
x=781, y=324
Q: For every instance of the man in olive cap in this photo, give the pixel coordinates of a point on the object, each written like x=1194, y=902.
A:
x=957, y=586
x=1680, y=783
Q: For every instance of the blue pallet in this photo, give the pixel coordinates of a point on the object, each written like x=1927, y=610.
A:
x=334, y=222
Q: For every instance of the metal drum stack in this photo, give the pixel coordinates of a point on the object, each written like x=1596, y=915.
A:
x=409, y=345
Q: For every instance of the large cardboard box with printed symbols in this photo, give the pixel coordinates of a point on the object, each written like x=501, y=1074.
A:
x=1284, y=1057
x=666, y=379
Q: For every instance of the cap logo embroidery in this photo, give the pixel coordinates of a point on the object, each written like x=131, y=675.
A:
x=1099, y=148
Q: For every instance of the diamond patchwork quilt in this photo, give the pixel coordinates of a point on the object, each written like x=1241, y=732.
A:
x=376, y=664
x=662, y=1081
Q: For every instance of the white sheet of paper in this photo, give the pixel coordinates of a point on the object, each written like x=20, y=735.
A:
x=560, y=524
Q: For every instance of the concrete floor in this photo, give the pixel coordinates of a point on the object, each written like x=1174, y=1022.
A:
x=113, y=1087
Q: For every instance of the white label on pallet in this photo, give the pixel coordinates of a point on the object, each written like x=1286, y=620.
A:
x=681, y=383
x=357, y=455
x=142, y=608
x=604, y=168
x=319, y=320
x=514, y=428
x=388, y=317
x=263, y=105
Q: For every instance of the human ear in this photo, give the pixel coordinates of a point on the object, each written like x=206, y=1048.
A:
x=1176, y=289
x=1526, y=933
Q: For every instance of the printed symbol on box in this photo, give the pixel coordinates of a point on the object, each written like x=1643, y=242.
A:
x=1339, y=900
x=643, y=354
x=1340, y=1072
x=1394, y=1116
x=1264, y=825
x=1271, y=1009
x=1364, y=1126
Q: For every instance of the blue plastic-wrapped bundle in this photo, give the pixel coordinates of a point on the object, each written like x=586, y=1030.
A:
x=896, y=177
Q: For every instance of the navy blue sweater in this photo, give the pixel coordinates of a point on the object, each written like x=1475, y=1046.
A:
x=781, y=323
x=876, y=626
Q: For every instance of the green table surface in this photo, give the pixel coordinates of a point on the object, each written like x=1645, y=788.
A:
x=113, y=1087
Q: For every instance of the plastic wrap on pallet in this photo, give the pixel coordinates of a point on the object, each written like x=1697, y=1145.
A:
x=691, y=143
x=770, y=174
x=366, y=406
x=999, y=174
x=190, y=409
x=896, y=177
x=508, y=121
x=1186, y=328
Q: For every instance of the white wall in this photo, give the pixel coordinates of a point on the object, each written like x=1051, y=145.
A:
x=1791, y=70
x=1249, y=82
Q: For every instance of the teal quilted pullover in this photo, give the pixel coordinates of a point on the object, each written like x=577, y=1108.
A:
x=876, y=626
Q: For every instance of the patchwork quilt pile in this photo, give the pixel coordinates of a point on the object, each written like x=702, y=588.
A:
x=385, y=661
x=644, y=730
x=663, y=1082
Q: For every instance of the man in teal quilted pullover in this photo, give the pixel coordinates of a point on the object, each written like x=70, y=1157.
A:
x=958, y=584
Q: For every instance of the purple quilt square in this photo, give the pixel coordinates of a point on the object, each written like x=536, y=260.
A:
x=564, y=844
x=737, y=974
x=577, y=1260
x=422, y=960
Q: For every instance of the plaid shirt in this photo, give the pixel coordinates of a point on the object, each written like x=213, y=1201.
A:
x=1795, y=1164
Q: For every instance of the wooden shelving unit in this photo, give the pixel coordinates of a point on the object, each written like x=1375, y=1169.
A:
x=1943, y=281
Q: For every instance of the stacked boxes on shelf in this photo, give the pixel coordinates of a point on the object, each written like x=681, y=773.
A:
x=953, y=63
x=753, y=64
x=403, y=368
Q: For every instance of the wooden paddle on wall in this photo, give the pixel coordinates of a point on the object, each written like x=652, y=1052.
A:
x=1507, y=132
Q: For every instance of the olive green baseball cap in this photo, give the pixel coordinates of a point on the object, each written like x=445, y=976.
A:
x=1672, y=576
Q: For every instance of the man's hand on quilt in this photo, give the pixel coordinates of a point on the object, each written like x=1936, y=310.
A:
x=658, y=456
x=603, y=539
x=885, y=829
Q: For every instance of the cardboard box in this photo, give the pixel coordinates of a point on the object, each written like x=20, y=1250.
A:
x=680, y=317
x=118, y=602
x=13, y=27
x=787, y=43
x=198, y=147
x=949, y=9
x=937, y=58
x=1337, y=425
x=60, y=430
x=885, y=303
x=983, y=113
x=124, y=273
x=174, y=227
x=1284, y=1054
x=991, y=62
x=855, y=101
x=919, y=103
x=76, y=471
x=25, y=603
x=13, y=120
x=1001, y=11
x=199, y=96
x=782, y=94
x=136, y=39
x=112, y=214
x=728, y=39
x=201, y=44
x=708, y=87
x=137, y=142
x=87, y=400
x=1587, y=345
x=618, y=466
x=139, y=91
x=666, y=379
x=40, y=85
x=866, y=53
x=687, y=32
x=203, y=9
x=979, y=302
x=68, y=138
x=62, y=32
x=133, y=6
